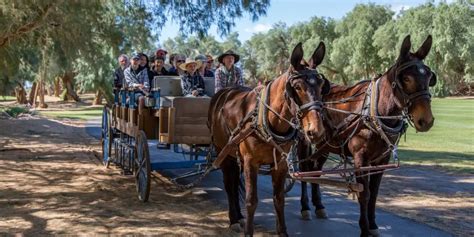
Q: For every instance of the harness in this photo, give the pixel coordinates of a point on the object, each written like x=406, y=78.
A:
x=259, y=119
x=369, y=115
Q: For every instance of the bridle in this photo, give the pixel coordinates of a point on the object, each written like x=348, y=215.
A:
x=409, y=99
x=310, y=77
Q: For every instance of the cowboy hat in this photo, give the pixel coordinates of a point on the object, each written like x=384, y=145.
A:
x=226, y=53
x=190, y=61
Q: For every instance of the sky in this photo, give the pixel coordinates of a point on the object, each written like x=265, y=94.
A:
x=291, y=12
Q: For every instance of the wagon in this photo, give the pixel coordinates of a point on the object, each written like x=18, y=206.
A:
x=168, y=118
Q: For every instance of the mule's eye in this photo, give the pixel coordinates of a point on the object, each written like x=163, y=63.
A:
x=297, y=87
x=406, y=79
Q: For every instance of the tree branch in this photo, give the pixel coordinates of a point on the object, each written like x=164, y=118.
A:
x=28, y=27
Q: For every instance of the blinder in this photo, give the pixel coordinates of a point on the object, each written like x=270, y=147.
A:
x=311, y=78
x=410, y=98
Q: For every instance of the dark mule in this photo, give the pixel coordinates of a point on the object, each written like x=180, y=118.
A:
x=293, y=104
x=401, y=91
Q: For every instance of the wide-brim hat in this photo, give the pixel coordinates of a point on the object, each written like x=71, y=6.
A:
x=227, y=53
x=190, y=61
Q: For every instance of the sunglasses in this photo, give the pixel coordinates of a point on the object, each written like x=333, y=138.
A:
x=180, y=61
x=210, y=61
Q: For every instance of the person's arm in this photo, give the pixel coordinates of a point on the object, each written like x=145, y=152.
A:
x=240, y=77
x=146, y=82
x=184, y=86
x=218, y=82
x=117, y=82
x=201, y=88
x=128, y=78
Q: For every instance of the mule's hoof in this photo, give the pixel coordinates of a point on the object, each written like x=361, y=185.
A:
x=306, y=215
x=321, y=214
x=242, y=222
x=374, y=232
x=236, y=227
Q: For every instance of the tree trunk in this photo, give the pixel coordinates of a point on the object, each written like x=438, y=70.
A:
x=49, y=90
x=32, y=94
x=57, y=87
x=20, y=94
x=41, y=90
x=68, y=85
x=98, y=98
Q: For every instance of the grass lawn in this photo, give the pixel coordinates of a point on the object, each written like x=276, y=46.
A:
x=7, y=98
x=450, y=142
x=83, y=113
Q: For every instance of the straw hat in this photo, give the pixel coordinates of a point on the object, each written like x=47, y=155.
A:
x=190, y=61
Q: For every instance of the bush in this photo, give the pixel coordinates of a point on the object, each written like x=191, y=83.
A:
x=15, y=111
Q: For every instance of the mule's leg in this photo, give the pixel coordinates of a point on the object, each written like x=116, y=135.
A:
x=231, y=173
x=251, y=199
x=305, y=210
x=316, y=198
x=304, y=166
x=278, y=181
x=374, y=190
x=363, y=203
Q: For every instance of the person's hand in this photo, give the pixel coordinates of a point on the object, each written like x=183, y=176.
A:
x=195, y=93
x=141, y=86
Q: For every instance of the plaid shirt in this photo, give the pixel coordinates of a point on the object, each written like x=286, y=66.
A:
x=225, y=78
x=134, y=78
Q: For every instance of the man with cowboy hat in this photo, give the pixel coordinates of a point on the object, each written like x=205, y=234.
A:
x=192, y=82
x=228, y=75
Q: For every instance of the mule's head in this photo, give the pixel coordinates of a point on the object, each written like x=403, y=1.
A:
x=305, y=88
x=412, y=81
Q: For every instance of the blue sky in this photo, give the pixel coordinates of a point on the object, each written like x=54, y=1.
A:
x=291, y=12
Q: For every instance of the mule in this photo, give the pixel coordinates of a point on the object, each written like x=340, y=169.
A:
x=403, y=90
x=275, y=115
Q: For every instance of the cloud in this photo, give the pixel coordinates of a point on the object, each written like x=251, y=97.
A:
x=259, y=28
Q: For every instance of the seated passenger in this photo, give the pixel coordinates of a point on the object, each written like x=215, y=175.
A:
x=192, y=83
x=162, y=53
x=203, y=71
x=158, y=69
x=175, y=70
x=228, y=75
x=136, y=78
x=118, y=74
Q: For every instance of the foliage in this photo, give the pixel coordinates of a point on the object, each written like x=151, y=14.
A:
x=15, y=111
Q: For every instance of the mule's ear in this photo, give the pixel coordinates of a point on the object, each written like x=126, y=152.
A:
x=296, y=56
x=425, y=48
x=433, y=79
x=406, y=46
x=326, y=87
x=318, y=55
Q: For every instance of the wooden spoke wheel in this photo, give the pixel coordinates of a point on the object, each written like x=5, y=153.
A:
x=106, y=138
x=142, y=166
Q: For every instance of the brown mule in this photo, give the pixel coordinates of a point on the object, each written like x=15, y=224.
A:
x=293, y=104
x=401, y=91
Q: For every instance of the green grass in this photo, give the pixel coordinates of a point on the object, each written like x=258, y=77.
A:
x=14, y=111
x=7, y=98
x=450, y=142
x=84, y=113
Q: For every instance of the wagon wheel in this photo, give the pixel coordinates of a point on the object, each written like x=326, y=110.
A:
x=106, y=140
x=289, y=183
x=142, y=167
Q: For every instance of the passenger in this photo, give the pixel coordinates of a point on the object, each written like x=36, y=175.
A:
x=118, y=74
x=203, y=69
x=162, y=53
x=176, y=69
x=210, y=63
x=158, y=69
x=228, y=75
x=192, y=83
x=136, y=77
